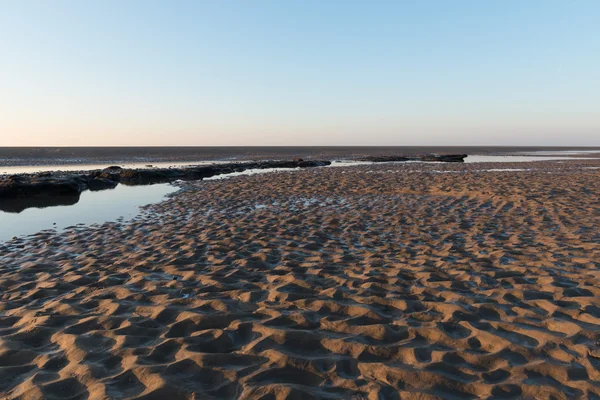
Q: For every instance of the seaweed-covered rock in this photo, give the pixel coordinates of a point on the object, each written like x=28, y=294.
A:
x=444, y=157
x=147, y=176
x=21, y=186
x=100, y=183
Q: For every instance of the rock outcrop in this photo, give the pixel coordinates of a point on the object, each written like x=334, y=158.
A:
x=427, y=157
x=50, y=185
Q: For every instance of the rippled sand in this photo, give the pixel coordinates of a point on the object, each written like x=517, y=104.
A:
x=366, y=282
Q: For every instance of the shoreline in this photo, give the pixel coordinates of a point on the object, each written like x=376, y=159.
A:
x=21, y=191
x=116, y=155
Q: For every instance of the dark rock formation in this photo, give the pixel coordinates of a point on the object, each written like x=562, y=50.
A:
x=25, y=186
x=162, y=175
x=19, y=192
x=146, y=177
x=427, y=157
x=100, y=183
x=444, y=157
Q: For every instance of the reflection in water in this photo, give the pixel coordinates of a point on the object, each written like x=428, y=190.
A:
x=92, y=208
x=20, y=204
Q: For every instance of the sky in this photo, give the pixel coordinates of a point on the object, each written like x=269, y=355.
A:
x=299, y=72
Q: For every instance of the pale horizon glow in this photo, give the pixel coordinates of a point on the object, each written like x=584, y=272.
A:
x=299, y=72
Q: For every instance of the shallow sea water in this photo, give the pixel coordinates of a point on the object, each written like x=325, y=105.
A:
x=92, y=208
x=250, y=172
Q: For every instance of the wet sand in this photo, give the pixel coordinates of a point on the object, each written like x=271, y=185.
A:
x=373, y=281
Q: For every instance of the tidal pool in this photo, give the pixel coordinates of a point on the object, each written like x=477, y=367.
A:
x=92, y=208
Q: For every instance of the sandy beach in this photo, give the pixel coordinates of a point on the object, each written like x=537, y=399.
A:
x=412, y=281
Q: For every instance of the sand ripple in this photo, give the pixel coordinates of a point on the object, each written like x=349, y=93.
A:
x=359, y=282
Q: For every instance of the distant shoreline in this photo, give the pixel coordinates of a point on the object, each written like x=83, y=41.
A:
x=22, y=156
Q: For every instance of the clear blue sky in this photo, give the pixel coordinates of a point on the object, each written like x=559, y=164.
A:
x=300, y=72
